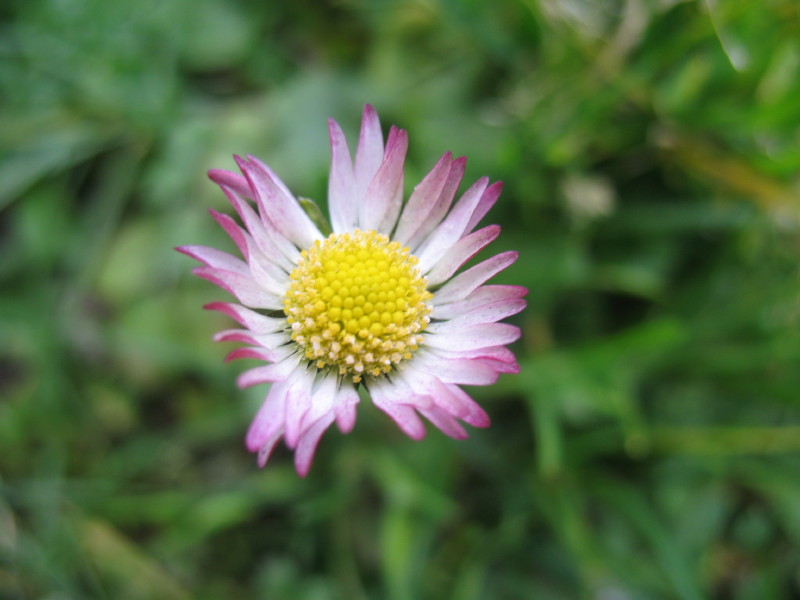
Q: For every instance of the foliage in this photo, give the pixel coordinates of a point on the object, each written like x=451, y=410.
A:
x=648, y=449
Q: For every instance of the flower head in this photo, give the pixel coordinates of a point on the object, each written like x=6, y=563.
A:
x=376, y=304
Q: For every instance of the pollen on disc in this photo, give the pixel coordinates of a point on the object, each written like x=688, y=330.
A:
x=357, y=304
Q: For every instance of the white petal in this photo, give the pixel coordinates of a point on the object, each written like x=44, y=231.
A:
x=384, y=195
x=279, y=371
x=462, y=371
x=464, y=249
x=477, y=336
x=464, y=283
x=488, y=313
x=342, y=199
x=369, y=154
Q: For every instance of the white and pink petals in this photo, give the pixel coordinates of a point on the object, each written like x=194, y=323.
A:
x=345, y=407
x=278, y=206
x=458, y=405
x=395, y=400
x=477, y=336
x=463, y=344
x=307, y=445
x=487, y=201
x=216, y=258
x=487, y=313
x=265, y=340
x=481, y=296
x=458, y=254
x=422, y=200
x=369, y=153
x=384, y=196
x=495, y=353
x=254, y=321
x=440, y=205
x=463, y=284
x=247, y=291
x=342, y=199
x=267, y=274
x=262, y=232
x=452, y=228
x=277, y=371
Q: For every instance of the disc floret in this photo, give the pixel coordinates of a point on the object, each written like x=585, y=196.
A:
x=357, y=303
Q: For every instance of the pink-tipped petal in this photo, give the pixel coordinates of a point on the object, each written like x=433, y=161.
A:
x=265, y=451
x=488, y=313
x=269, y=419
x=487, y=201
x=230, y=179
x=342, y=198
x=444, y=422
x=345, y=409
x=384, y=195
x=440, y=205
x=460, y=286
x=480, y=296
x=304, y=453
x=474, y=414
x=247, y=291
x=257, y=353
x=463, y=250
x=236, y=233
x=477, y=336
x=298, y=403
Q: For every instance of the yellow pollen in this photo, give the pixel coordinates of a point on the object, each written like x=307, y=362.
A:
x=357, y=303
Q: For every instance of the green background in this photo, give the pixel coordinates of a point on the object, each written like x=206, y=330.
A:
x=650, y=446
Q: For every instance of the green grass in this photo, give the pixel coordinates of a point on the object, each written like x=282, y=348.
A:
x=649, y=449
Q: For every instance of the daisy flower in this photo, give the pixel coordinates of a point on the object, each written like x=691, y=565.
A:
x=375, y=303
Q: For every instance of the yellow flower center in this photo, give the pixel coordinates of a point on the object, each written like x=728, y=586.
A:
x=357, y=302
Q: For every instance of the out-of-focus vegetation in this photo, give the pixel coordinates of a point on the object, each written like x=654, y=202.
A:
x=650, y=447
